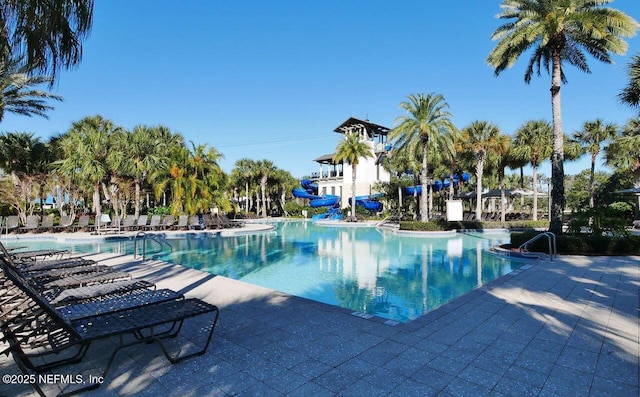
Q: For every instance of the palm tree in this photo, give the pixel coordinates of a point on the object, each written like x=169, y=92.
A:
x=264, y=168
x=533, y=141
x=245, y=168
x=593, y=135
x=86, y=147
x=559, y=31
x=624, y=151
x=631, y=93
x=137, y=153
x=481, y=138
x=502, y=157
x=350, y=150
x=427, y=118
x=25, y=158
x=49, y=33
x=17, y=92
x=15, y=151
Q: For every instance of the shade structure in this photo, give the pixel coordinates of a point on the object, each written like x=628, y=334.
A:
x=508, y=193
x=633, y=190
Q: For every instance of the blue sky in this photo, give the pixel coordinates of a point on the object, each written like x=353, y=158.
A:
x=271, y=80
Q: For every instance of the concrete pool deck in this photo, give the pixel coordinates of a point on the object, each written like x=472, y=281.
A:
x=564, y=328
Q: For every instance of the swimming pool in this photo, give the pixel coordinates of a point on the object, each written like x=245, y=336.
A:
x=366, y=270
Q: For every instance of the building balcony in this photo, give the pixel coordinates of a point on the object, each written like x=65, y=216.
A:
x=327, y=175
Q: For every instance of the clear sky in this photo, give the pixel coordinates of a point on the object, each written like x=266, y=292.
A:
x=272, y=80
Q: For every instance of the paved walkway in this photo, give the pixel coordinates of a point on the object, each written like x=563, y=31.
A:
x=563, y=328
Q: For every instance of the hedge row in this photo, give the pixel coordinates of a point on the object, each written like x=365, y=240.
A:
x=581, y=245
x=443, y=225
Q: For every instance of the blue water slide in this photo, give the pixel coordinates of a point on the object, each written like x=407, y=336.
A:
x=309, y=191
x=369, y=202
x=326, y=201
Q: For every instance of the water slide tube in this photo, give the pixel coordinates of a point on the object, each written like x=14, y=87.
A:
x=438, y=184
x=369, y=202
x=309, y=191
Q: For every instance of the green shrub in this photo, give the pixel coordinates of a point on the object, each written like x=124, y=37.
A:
x=421, y=226
x=581, y=244
x=291, y=208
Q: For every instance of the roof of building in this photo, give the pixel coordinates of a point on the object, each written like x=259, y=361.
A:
x=354, y=123
x=325, y=159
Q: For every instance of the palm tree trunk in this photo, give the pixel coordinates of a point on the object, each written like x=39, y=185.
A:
x=97, y=207
x=136, y=206
x=246, y=189
x=592, y=183
x=424, y=201
x=521, y=187
x=353, y=193
x=479, y=171
x=503, y=199
x=263, y=188
x=557, y=158
x=535, y=193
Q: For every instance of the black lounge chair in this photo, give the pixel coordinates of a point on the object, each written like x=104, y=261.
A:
x=35, y=254
x=65, y=339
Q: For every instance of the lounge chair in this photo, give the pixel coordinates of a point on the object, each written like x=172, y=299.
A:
x=128, y=223
x=194, y=222
x=31, y=224
x=65, y=223
x=225, y=222
x=183, y=222
x=46, y=225
x=142, y=222
x=12, y=222
x=167, y=222
x=82, y=224
x=154, y=224
x=65, y=340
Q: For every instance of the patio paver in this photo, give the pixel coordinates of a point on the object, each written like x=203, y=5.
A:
x=567, y=327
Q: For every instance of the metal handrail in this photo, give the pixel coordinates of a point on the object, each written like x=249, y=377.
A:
x=153, y=237
x=553, y=249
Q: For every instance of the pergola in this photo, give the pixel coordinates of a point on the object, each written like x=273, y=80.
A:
x=373, y=131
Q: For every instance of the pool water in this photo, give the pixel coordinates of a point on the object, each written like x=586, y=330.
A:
x=366, y=270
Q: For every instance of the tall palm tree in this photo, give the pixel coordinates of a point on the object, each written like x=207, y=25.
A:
x=135, y=154
x=264, y=168
x=427, y=118
x=350, y=150
x=593, y=135
x=558, y=31
x=631, y=93
x=624, y=150
x=86, y=147
x=245, y=168
x=15, y=151
x=17, y=92
x=624, y=153
x=48, y=33
x=480, y=138
x=533, y=141
x=502, y=157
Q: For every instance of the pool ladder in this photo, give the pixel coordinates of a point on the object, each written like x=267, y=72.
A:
x=553, y=249
x=153, y=237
